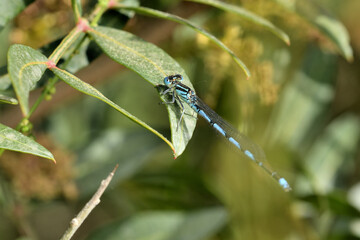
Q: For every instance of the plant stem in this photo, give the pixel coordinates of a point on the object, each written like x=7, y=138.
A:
x=90, y=205
x=99, y=10
x=52, y=81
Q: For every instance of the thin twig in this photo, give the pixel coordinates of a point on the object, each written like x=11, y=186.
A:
x=90, y=205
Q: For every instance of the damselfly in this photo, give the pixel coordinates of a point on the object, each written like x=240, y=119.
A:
x=181, y=92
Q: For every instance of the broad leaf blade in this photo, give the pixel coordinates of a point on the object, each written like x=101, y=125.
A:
x=324, y=161
x=171, y=17
x=26, y=66
x=146, y=59
x=166, y=225
x=91, y=91
x=7, y=99
x=131, y=3
x=250, y=16
x=10, y=9
x=153, y=64
x=114, y=146
x=332, y=28
x=148, y=225
x=337, y=33
x=15, y=141
x=77, y=54
x=201, y=224
x=5, y=82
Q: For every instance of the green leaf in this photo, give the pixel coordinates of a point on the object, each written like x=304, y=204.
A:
x=339, y=202
x=26, y=66
x=337, y=33
x=252, y=17
x=299, y=112
x=171, y=17
x=5, y=82
x=332, y=28
x=201, y=224
x=153, y=64
x=111, y=147
x=331, y=151
x=146, y=59
x=10, y=9
x=130, y=3
x=15, y=141
x=7, y=99
x=166, y=225
x=91, y=91
x=77, y=54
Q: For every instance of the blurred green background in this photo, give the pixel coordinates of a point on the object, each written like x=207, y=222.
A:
x=301, y=105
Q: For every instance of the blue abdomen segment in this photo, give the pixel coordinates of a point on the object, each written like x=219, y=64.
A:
x=233, y=141
x=249, y=154
x=284, y=184
x=201, y=113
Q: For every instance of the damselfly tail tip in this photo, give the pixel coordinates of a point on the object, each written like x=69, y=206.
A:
x=284, y=184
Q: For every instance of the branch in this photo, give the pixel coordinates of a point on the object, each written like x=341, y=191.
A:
x=90, y=205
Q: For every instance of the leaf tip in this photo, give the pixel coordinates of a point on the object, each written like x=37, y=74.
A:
x=287, y=41
x=14, y=101
x=243, y=67
x=350, y=58
x=50, y=157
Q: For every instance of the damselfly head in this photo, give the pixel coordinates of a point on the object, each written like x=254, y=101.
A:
x=172, y=79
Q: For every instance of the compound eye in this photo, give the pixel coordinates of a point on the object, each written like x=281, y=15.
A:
x=167, y=80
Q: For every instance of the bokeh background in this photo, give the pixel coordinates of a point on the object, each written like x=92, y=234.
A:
x=302, y=105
